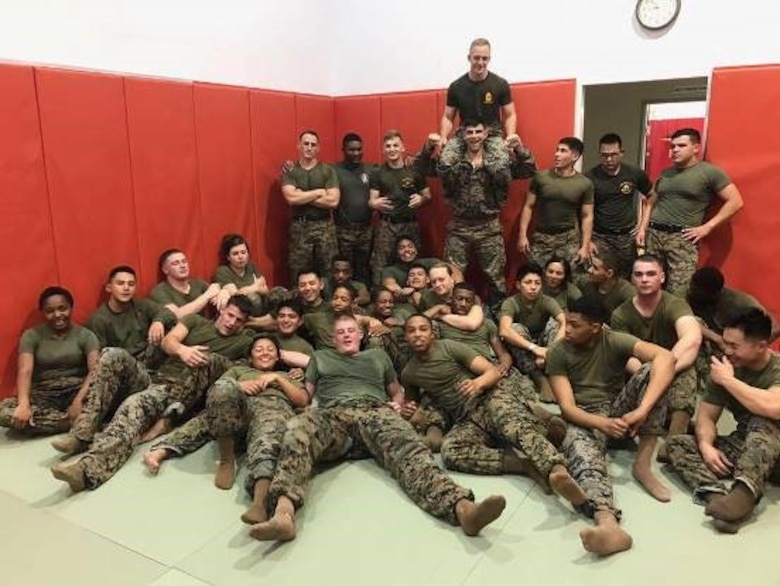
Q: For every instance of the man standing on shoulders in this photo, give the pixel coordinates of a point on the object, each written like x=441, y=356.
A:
x=563, y=195
x=311, y=188
x=616, y=214
x=675, y=213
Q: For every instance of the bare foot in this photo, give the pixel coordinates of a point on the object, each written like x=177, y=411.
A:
x=72, y=473
x=722, y=526
x=474, y=517
x=556, y=431
x=226, y=474
x=605, y=540
x=281, y=527
x=69, y=444
x=255, y=514
x=734, y=506
x=648, y=480
x=433, y=439
x=153, y=459
x=160, y=427
x=564, y=485
x=662, y=457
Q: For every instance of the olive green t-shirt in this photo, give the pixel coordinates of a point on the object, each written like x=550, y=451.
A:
x=321, y=176
x=766, y=378
x=559, y=199
x=294, y=343
x=534, y=316
x=568, y=293
x=480, y=339
x=322, y=306
x=685, y=194
x=164, y=294
x=619, y=294
x=341, y=379
x=226, y=275
x=430, y=298
x=597, y=374
x=320, y=326
x=439, y=374
x=130, y=328
x=243, y=372
x=58, y=357
x=400, y=271
x=203, y=332
x=398, y=185
x=730, y=303
x=658, y=328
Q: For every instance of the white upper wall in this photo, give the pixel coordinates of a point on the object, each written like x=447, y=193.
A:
x=273, y=44
x=345, y=47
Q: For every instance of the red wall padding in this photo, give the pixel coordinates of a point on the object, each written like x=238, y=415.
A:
x=161, y=124
x=27, y=253
x=742, y=139
x=361, y=114
x=84, y=127
x=224, y=147
x=273, y=140
x=316, y=113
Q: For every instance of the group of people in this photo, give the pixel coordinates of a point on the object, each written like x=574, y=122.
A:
x=377, y=351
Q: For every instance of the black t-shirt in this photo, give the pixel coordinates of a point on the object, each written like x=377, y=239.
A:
x=615, y=205
x=480, y=99
x=353, y=203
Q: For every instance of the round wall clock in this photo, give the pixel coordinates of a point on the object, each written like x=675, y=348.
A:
x=657, y=14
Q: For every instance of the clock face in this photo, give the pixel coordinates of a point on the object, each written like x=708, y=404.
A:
x=657, y=14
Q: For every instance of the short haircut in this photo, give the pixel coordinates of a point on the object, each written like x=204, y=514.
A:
x=164, y=256
x=120, y=269
x=479, y=42
x=464, y=286
x=590, y=307
x=229, y=241
x=378, y=290
x=265, y=336
x=391, y=134
x=647, y=257
x=418, y=265
x=348, y=288
x=240, y=302
x=563, y=262
x=529, y=268
x=691, y=133
x=340, y=258
x=312, y=132
x=344, y=316
x=441, y=265
x=422, y=315
x=708, y=279
x=51, y=292
x=398, y=241
x=611, y=138
x=350, y=137
x=289, y=303
x=610, y=260
x=307, y=271
x=471, y=122
x=754, y=323
x=574, y=144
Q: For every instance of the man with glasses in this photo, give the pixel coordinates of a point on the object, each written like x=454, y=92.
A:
x=616, y=216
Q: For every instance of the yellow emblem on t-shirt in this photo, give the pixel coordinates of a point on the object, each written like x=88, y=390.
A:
x=488, y=98
x=626, y=187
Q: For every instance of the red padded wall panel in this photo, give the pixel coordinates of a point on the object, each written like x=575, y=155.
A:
x=359, y=114
x=316, y=113
x=545, y=113
x=416, y=115
x=743, y=103
x=28, y=260
x=224, y=166
x=273, y=141
x=84, y=129
x=161, y=129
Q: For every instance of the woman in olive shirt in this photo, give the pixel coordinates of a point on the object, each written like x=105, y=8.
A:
x=55, y=359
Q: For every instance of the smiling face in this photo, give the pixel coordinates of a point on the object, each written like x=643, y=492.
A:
x=554, y=275
x=384, y=304
x=417, y=278
x=353, y=152
x=310, y=288
x=57, y=311
x=479, y=58
x=121, y=287
x=418, y=333
x=475, y=137
x=393, y=149
x=287, y=321
x=406, y=250
x=264, y=355
x=441, y=282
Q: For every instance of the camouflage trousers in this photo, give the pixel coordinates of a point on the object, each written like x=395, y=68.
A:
x=117, y=376
x=680, y=258
x=484, y=239
x=754, y=449
x=265, y=303
x=394, y=344
x=496, y=155
x=385, y=237
x=500, y=420
x=585, y=449
x=621, y=246
x=524, y=360
x=312, y=244
x=682, y=391
x=113, y=446
x=354, y=242
x=49, y=403
x=359, y=430
x=564, y=245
